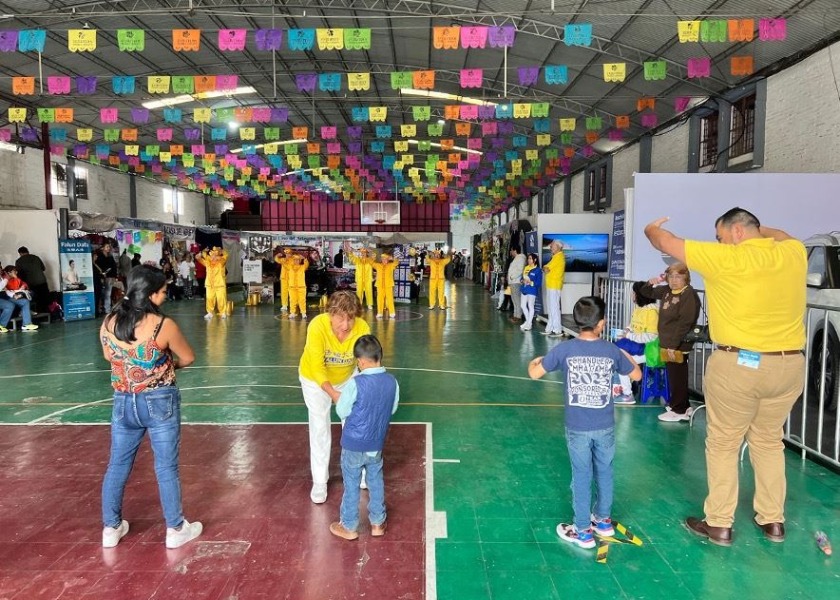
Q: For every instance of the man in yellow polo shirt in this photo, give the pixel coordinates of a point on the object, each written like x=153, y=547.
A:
x=755, y=286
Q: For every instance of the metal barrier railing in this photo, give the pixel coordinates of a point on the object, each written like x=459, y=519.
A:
x=813, y=426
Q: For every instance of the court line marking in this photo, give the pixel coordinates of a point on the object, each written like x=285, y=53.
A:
x=446, y=371
x=447, y=460
x=68, y=409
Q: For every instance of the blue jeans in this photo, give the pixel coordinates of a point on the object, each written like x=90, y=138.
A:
x=591, y=453
x=7, y=307
x=158, y=411
x=352, y=464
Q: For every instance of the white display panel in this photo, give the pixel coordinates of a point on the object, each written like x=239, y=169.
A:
x=386, y=212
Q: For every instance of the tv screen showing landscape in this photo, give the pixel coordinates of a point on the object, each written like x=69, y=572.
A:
x=380, y=213
x=584, y=252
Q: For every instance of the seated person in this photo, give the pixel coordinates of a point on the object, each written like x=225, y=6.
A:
x=11, y=299
x=71, y=278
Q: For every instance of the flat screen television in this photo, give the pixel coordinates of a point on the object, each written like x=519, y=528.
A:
x=386, y=212
x=584, y=252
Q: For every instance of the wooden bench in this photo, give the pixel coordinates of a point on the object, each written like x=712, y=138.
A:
x=17, y=321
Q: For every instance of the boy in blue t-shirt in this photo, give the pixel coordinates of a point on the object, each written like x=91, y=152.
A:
x=366, y=405
x=589, y=363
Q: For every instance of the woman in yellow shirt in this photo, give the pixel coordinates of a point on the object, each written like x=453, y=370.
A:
x=326, y=365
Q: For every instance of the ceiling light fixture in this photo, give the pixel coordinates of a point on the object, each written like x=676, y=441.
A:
x=184, y=98
x=459, y=148
x=258, y=146
x=445, y=96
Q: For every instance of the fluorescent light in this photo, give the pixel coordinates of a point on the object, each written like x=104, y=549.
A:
x=258, y=146
x=233, y=125
x=9, y=147
x=184, y=98
x=459, y=148
x=445, y=96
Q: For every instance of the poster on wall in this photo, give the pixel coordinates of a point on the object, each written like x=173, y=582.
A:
x=617, y=246
x=251, y=271
x=76, y=261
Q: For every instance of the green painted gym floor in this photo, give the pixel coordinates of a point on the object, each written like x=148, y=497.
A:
x=500, y=470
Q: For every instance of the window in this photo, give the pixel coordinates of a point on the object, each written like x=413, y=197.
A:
x=58, y=181
x=742, y=127
x=709, y=140
x=597, y=188
x=173, y=201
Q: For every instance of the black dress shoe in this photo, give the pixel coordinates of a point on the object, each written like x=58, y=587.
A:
x=775, y=532
x=721, y=536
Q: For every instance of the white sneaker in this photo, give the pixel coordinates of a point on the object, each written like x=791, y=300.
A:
x=318, y=495
x=208, y=316
x=379, y=316
x=189, y=531
x=30, y=327
x=669, y=416
x=111, y=536
x=303, y=316
x=284, y=309
x=370, y=306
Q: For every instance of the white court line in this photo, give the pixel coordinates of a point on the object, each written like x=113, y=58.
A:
x=390, y=368
x=447, y=460
x=239, y=385
x=66, y=410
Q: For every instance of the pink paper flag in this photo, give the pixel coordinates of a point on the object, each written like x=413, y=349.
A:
x=6, y=134
x=334, y=148
x=232, y=39
x=771, y=29
x=489, y=128
x=328, y=132
x=650, y=120
x=108, y=115
x=197, y=149
x=226, y=82
x=164, y=135
x=469, y=112
x=587, y=151
x=471, y=78
x=261, y=115
x=681, y=103
x=473, y=37
x=58, y=84
x=615, y=135
x=474, y=143
x=699, y=67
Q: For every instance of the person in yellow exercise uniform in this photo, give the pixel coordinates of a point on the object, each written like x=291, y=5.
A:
x=216, y=297
x=364, y=275
x=437, y=265
x=385, y=286
x=285, y=261
x=297, y=286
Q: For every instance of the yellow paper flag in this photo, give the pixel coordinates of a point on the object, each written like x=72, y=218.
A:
x=615, y=71
x=158, y=84
x=17, y=115
x=81, y=40
x=84, y=135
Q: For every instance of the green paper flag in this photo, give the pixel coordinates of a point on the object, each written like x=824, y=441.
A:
x=566, y=138
x=131, y=40
x=434, y=129
x=123, y=167
x=422, y=113
x=402, y=79
x=357, y=39
x=112, y=135
x=271, y=133
x=183, y=84
x=314, y=161
x=224, y=114
x=290, y=149
x=714, y=30
x=655, y=70
x=539, y=109
x=46, y=115
x=593, y=123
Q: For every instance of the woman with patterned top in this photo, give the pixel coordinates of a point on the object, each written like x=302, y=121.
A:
x=144, y=348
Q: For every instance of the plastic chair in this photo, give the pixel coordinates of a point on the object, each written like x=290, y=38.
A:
x=654, y=384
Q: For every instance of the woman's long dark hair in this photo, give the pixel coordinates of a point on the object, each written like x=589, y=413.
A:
x=143, y=281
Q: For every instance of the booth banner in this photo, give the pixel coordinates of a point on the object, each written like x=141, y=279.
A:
x=251, y=271
x=617, y=270
x=76, y=260
x=179, y=232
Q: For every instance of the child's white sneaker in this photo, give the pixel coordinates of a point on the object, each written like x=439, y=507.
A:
x=111, y=536
x=175, y=538
x=208, y=316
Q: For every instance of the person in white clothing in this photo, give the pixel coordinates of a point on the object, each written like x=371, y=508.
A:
x=514, y=278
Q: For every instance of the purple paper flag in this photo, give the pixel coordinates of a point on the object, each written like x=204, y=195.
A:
x=220, y=149
x=505, y=127
x=8, y=41
x=80, y=151
x=354, y=147
x=501, y=37
x=587, y=151
x=486, y=112
x=498, y=143
x=28, y=134
x=306, y=82
x=269, y=39
x=650, y=120
x=354, y=132
x=192, y=134
x=139, y=115
x=528, y=75
x=279, y=115
x=615, y=135
x=86, y=85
